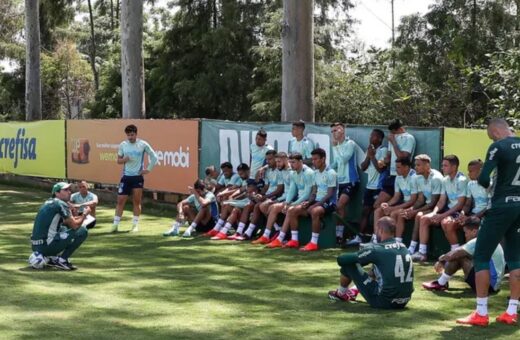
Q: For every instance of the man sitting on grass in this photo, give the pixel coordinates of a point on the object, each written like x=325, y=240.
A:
x=84, y=198
x=200, y=209
x=56, y=233
x=462, y=258
x=389, y=284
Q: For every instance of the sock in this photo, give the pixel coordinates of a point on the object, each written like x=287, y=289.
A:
x=192, y=227
x=277, y=227
x=444, y=279
x=454, y=246
x=250, y=229
x=342, y=290
x=226, y=228
x=241, y=227
x=512, y=309
x=339, y=230
x=117, y=219
x=281, y=236
x=374, y=238
x=294, y=235
x=219, y=224
x=482, y=304
x=399, y=239
x=423, y=249
x=135, y=220
x=413, y=246
x=267, y=233
x=314, y=238
x=176, y=225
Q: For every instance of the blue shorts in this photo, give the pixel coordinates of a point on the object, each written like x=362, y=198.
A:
x=389, y=185
x=370, y=197
x=348, y=189
x=129, y=183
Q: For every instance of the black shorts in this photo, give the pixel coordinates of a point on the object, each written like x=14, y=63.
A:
x=329, y=207
x=129, y=183
x=443, y=210
x=470, y=280
x=348, y=189
x=389, y=185
x=202, y=228
x=370, y=197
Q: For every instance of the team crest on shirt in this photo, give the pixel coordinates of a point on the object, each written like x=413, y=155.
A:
x=492, y=153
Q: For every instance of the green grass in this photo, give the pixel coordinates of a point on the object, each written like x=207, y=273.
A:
x=139, y=286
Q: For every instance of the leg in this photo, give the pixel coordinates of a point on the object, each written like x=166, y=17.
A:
x=137, y=195
x=450, y=227
x=364, y=219
x=424, y=235
x=317, y=212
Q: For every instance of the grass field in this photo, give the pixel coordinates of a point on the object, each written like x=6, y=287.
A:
x=139, y=286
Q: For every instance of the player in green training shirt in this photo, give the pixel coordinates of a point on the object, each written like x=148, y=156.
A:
x=389, y=284
x=501, y=222
x=56, y=233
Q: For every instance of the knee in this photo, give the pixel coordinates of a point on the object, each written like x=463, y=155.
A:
x=81, y=233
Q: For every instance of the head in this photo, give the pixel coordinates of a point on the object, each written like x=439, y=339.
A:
x=199, y=186
x=296, y=161
x=297, y=129
x=281, y=160
x=376, y=137
x=261, y=137
x=83, y=188
x=470, y=227
x=211, y=171
x=498, y=129
x=319, y=157
x=450, y=165
x=243, y=171
x=61, y=190
x=227, y=169
x=402, y=166
x=423, y=164
x=396, y=127
x=385, y=229
x=337, y=130
x=252, y=186
x=474, y=168
x=131, y=133
x=270, y=158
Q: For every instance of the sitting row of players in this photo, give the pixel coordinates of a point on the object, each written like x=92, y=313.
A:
x=286, y=186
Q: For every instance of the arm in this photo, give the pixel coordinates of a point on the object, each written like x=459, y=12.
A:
x=366, y=162
x=345, y=154
x=405, y=151
x=454, y=255
x=309, y=184
x=153, y=158
x=277, y=192
x=330, y=193
x=489, y=165
x=291, y=193
x=75, y=222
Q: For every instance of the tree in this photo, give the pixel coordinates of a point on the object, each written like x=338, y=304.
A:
x=33, y=96
x=93, y=47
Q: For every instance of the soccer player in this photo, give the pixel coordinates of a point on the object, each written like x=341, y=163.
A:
x=296, y=201
x=405, y=195
x=324, y=195
x=300, y=143
x=227, y=182
x=477, y=197
x=84, y=198
x=429, y=189
x=200, y=209
x=345, y=164
x=56, y=233
x=447, y=209
x=502, y=221
x=401, y=144
x=389, y=284
x=377, y=171
x=258, y=150
x=211, y=179
x=131, y=154
x=462, y=258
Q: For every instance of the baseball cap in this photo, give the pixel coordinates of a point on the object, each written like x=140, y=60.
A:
x=60, y=186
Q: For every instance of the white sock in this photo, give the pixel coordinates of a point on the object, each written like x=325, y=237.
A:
x=358, y=238
x=482, y=304
x=423, y=249
x=412, y=247
x=267, y=233
x=277, y=227
x=192, y=227
x=399, y=239
x=117, y=219
x=512, y=309
x=342, y=290
x=250, y=229
x=374, y=238
x=294, y=235
x=176, y=225
x=314, y=238
x=339, y=230
x=281, y=236
x=241, y=227
x=135, y=220
x=455, y=246
x=444, y=279
x=226, y=228
x=220, y=223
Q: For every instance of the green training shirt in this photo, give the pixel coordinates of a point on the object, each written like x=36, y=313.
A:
x=49, y=218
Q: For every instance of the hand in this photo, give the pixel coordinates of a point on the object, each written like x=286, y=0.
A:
x=144, y=172
x=436, y=219
x=381, y=164
x=439, y=267
x=391, y=138
x=260, y=173
x=305, y=204
x=371, y=152
x=387, y=210
x=125, y=159
x=461, y=219
x=407, y=213
x=86, y=210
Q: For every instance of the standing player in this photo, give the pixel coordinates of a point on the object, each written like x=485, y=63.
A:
x=502, y=221
x=389, y=284
x=131, y=154
x=345, y=164
x=84, y=198
x=301, y=144
x=258, y=150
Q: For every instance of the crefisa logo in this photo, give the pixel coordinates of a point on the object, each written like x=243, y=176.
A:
x=18, y=148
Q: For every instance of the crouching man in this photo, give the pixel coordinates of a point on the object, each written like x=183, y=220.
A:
x=56, y=233
x=389, y=284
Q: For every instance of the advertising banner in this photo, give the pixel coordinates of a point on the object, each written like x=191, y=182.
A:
x=33, y=148
x=92, y=147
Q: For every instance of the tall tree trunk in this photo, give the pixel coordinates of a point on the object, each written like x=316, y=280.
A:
x=131, y=58
x=118, y=9
x=517, y=26
x=112, y=15
x=33, y=91
x=298, y=61
x=93, y=47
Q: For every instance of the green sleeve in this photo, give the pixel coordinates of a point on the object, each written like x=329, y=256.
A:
x=347, y=258
x=489, y=165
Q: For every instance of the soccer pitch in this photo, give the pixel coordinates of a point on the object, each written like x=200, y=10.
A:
x=143, y=285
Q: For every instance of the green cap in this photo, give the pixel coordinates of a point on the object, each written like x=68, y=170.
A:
x=60, y=186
